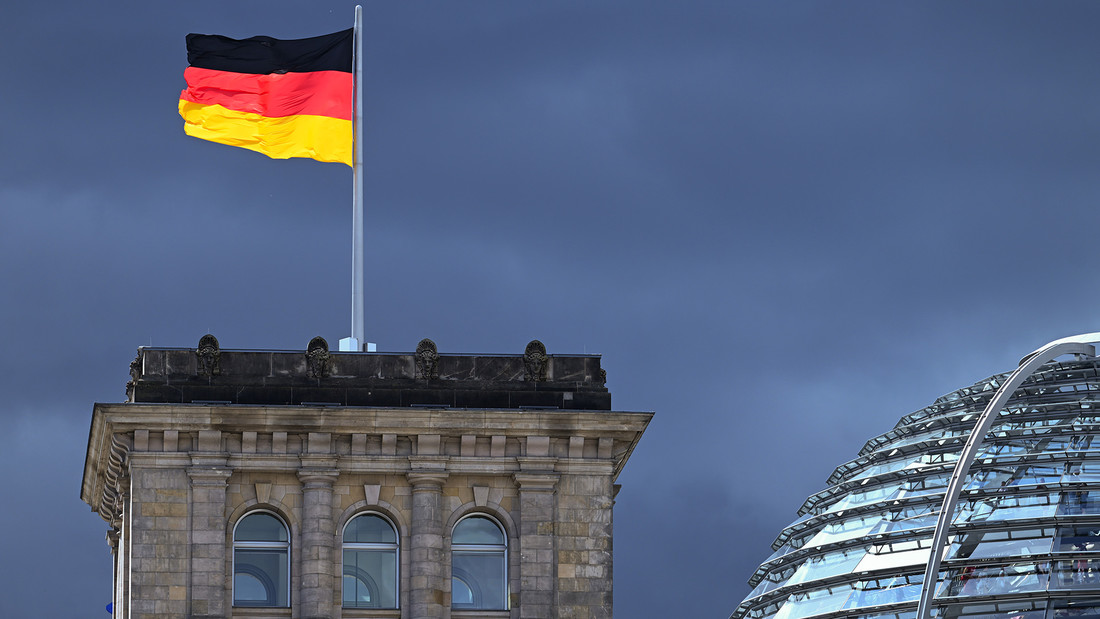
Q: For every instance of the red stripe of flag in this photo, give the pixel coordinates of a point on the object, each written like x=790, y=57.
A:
x=316, y=93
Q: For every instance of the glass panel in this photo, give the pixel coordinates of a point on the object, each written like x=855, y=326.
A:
x=369, y=529
x=1081, y=538
x=482, y=573
x=1088, y=471
x=461, y=594
x=772, y=581
x=1076, y=574
x=886, y=591
x=994, y=580
x=1008, y=508
x=1077, y=502
x=896, y=555
x=1065, y=609
x=370, y=579
x=260, y=527
x=830, y=564
x=260, y=578
x=814, y=602
x=989, y=544
x=914, y=522
x=881, y=493
x=901, y=614
x=846, y=529
x=912, y=462
x=1015, y=476
x=477, y=530
x=993, y=610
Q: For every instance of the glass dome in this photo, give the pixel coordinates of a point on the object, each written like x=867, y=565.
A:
x=1024, y=542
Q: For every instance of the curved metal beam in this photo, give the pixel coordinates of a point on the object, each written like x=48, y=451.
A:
x=1077, y=344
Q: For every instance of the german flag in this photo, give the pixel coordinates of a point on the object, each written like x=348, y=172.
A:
x=283, y=98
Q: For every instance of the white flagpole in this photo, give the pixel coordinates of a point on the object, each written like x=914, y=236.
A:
x=358, y=340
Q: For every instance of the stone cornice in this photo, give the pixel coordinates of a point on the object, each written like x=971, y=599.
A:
x=110, y=440
x=342, y=420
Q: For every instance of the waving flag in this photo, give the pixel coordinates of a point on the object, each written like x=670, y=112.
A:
x=283, y=98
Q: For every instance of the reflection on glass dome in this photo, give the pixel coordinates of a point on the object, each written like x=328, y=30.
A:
x=1024, y=542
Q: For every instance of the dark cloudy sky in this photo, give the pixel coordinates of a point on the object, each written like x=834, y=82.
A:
x=783, y=225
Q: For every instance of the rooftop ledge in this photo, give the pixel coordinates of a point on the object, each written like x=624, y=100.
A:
x=317, y=376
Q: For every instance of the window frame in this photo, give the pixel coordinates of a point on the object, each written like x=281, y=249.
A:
x=261, y=545
x=395, y=547
x=485, y=549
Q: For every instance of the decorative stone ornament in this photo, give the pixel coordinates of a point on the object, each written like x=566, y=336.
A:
x=427, y=359
x=209, y=356
x=135, y=375
x=535, y=361
x=317, y=358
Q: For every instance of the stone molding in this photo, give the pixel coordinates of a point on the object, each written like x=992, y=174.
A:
x=536, y=482
x=208, y=476
x=422, y=481
x=318, y=478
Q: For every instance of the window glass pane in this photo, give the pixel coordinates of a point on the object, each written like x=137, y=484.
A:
x=1065, y=609
x=993, y=610
x=902, y=553
x=260, y=578
x=482, y=573
x=370, y=579
x=477, y=530
x=772, y=581
x=1015, y=578
x=369, y=529
x=1014, y=476
x=827, y=565
x=990, y=544
x=1078, y=502
x=845, y=529
x=1008, y=508
x=260, y=527
x=814, y=602
x=1076, y=574
x=461, y=594
x=881, y=493
x=1078, y=539
x=886, y=591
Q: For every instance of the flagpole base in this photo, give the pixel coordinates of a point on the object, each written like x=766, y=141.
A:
x=351, y=344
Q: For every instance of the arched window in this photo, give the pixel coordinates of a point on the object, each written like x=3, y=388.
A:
x=261, y=561
x=370, y=563
x=479, y=569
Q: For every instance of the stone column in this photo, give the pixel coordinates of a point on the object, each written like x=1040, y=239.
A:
x=208, y=541
x=318, y=550
x=537, y=563
x=428, y=585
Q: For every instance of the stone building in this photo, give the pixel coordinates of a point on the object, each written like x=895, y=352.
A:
x=321, y=484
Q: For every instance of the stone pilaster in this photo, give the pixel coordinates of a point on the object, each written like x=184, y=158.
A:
x=122, y=557
x=537, y=564
x=318, y=540
x=585, y=502
x=428, y=584
x=208, y=539
x=159, y=545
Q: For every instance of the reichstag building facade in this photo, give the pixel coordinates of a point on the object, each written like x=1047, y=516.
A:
x=1023, y=540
